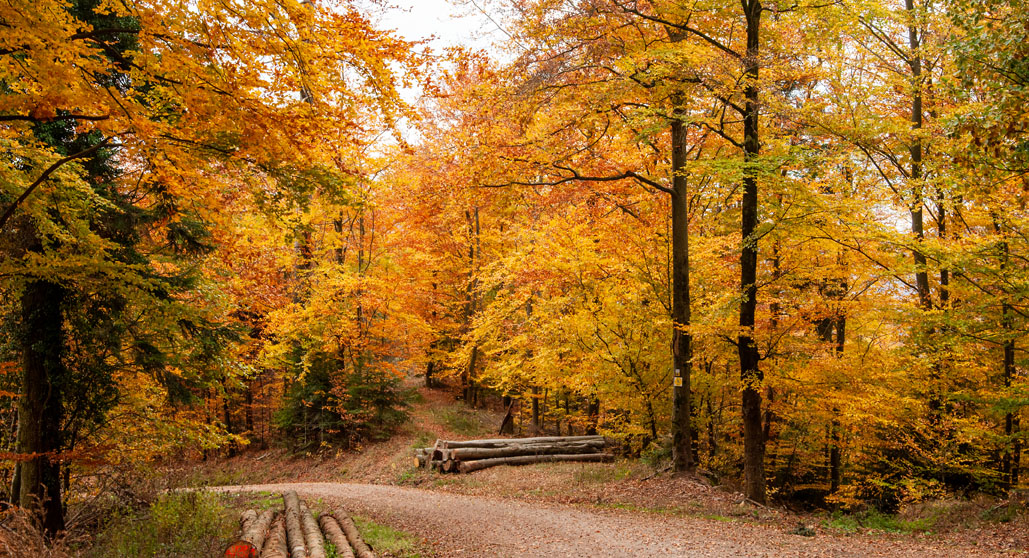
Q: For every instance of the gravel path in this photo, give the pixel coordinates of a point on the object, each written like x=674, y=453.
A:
x=468, y=526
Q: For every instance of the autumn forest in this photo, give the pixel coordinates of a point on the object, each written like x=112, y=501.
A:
x=780, y=245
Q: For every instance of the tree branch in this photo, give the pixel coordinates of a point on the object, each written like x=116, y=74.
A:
x=9, y=212
x=578, y=177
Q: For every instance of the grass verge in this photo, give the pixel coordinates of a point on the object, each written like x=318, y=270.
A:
x=389, y=542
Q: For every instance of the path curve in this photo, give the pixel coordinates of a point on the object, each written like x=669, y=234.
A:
x=469, y=526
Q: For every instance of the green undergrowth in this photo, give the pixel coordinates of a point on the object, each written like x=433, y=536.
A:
x=176, y=525
x=874, y=520
x=935, y=516
x=389, y=542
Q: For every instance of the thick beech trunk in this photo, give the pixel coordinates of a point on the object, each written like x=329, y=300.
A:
x=40, y=403
x=471, y=466
x=1012, y=453
x=682, y=341
x=750, y=373
x=915, y=176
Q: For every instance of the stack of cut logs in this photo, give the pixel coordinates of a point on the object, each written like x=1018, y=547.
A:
x=294, y=533
x=473, y=455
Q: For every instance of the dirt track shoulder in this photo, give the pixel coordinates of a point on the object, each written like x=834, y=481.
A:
x=473, y=526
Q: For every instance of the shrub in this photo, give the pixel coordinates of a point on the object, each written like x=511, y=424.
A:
x=177, y=525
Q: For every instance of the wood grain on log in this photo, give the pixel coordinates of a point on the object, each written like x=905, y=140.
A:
x=470, y=466
x=275, y=542
x=334, y=534
x=312, y=533
x=501, y=442
x=257, y=529
x=246, y=519
x=467, y=454
x=294, y=531
x=361, y=550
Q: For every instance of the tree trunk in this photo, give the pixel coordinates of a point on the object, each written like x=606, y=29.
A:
x=40, y=406
x=682, y=340
x=1013, y=446
x=593, y=414
x=535, y=410
x=750, y=373
x=507, y=424
x=430, y=368
x=917, y=202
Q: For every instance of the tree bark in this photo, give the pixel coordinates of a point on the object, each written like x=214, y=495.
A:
x=682, y=340
x=361, y=550
x=535, y=409
x=593, y=412
x=467, y=454
x=504, y=442
x=294, y=530
x=256, y=529
x=40, y=405
x=275, y=544
x=507, y=424
x=312, y=534
x=750, y=373
x=334, y=533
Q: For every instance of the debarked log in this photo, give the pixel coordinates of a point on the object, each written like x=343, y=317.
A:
x=468, y=454
x=361, y=549
x=312, y=533
x=257, y=529
x=503, y=442
x=334, y=534
x=275, y=542
x=470, y=466
x=294, y=530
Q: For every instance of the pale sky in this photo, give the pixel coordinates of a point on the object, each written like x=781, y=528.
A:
x=450, y=22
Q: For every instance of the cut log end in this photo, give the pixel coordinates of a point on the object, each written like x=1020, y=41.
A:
x=241, y=549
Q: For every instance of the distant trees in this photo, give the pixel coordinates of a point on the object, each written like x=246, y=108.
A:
x=849, y=193
x=788, y=238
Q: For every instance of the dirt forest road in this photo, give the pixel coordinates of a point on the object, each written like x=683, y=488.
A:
x=467, y=526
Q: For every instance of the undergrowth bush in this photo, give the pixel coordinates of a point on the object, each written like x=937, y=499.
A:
x=177, y=525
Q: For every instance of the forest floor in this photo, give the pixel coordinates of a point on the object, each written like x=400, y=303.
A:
x=595, y=509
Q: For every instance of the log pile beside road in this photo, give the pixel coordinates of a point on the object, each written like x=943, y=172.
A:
x=293, y=532
x=466, y=456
